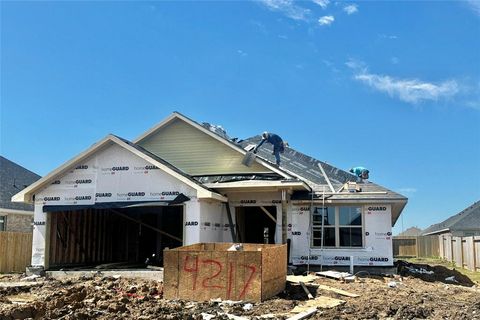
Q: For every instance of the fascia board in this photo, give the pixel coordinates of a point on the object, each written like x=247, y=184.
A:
x=256, y=184
x=155, y=128
x=436, y=232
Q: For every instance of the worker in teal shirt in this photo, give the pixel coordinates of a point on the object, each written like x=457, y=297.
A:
x=360, y=172
x=276, y=141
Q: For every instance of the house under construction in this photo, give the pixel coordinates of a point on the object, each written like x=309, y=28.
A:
x=182, y=182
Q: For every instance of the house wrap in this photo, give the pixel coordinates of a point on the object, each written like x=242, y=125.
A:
x=182, y=182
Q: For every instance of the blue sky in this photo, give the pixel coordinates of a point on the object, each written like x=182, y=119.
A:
x=392, y=86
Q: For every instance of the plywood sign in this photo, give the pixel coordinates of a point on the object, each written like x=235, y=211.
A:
x=207, y=271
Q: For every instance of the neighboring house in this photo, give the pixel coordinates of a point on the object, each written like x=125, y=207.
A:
x=181, y=183
x=410, y=232
x=16, y=217
x=464, y=224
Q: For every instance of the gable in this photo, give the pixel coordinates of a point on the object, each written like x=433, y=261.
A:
x=89, y=164
x=195, y=152
x=113, y=174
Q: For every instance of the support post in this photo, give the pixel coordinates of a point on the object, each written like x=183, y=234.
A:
x=284, y=216
x=230, y=222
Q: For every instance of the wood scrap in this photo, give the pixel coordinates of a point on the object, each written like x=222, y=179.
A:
x=303, y=315
x=319, y=302
x=304, y=287
x=339, y=291
x=348, y=277
x=304, y=279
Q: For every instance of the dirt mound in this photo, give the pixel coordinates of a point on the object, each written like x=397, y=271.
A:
x=433, y=273
x=99, y=297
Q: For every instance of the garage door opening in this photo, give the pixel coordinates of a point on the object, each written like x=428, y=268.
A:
x=122, y=238
x=252, y=221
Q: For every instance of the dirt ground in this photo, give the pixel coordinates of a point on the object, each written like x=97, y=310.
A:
x=416, y=294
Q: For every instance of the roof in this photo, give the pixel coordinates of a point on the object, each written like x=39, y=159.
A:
x=410, y=232
x=321, y=175
x=467, y=219
x=203, y=192
x=325, y=178
x=14, y=178
x=295, y=165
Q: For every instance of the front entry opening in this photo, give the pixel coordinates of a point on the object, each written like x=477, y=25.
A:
x=252, y=221
x=120, y=237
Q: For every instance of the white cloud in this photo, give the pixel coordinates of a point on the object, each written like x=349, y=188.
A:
x=407, y=190
x=242, y=53
x=412, y=91
x=394, y=60
x=408, y=90
x=387, y=36
x=322, y=3
x=326, y=20
x=359, y=66
x=474, y=5
x=351, y=9
x=288, y=8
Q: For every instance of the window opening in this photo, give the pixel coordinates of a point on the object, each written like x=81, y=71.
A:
x=342, y=227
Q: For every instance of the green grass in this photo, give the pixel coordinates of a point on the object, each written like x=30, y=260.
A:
x=474, y=276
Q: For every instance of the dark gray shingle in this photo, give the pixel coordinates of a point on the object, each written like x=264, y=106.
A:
x=13, y=179
x=467, y=219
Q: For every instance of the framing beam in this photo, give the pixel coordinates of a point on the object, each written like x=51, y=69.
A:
x=268, y=214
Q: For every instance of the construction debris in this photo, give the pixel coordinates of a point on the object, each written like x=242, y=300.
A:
x=107, y=297
x=304, y=279
x=319, y=302
x=339, y=291
x=309, y=295
x=344, y=276
x=305, y=314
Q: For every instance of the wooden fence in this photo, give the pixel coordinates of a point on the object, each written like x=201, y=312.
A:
x=15, y=251
x=464, y=251
x=420, y=246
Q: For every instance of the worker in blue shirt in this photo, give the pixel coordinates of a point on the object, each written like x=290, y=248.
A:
x=360, y=172
x=276, y=141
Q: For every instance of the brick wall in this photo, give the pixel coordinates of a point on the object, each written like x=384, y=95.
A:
x=19, y=222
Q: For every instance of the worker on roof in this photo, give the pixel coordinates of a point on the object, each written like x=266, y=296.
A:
x=360, y=172
x=276, y=141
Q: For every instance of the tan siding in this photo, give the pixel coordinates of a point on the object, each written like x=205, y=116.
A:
x=195, y=152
